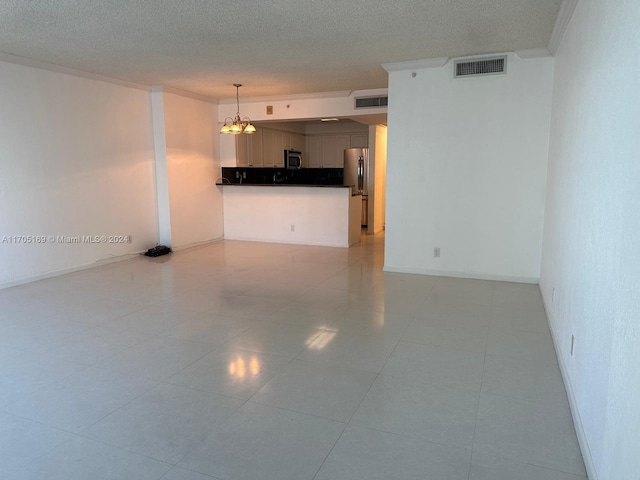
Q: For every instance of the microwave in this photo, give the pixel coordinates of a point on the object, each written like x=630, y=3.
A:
x=293, y=159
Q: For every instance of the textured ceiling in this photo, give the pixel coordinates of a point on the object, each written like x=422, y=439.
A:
x=273, y=47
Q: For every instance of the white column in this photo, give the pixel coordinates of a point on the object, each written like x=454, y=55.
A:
x=160, y=164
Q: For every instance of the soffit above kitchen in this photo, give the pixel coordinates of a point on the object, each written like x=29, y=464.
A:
x=279, y=47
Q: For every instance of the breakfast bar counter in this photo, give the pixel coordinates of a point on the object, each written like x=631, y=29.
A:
x=295, y=185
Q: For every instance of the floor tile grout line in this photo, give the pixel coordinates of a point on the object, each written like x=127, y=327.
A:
x=351, y=416
x=102, y=442
x=315, y=475
x=190, y=470
x=422, y=440
x=78, y=436
x=33, y=460
x=484, y=363
x=545, y=467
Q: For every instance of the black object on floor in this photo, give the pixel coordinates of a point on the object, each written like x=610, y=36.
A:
x=157, y=251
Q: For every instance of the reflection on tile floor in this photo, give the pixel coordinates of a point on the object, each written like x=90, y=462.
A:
x=249, y=361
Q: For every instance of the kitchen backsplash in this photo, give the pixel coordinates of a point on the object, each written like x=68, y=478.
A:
x=271, y=176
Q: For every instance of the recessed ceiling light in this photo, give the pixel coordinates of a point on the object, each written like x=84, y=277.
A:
x=329, y=119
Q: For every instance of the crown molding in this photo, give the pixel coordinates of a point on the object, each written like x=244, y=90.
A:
x=184, y=93
x=51, y=67
x=533, y=53
x=562, y=22
x=416, y=64
x=371, y=92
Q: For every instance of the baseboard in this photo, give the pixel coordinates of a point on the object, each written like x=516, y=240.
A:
x=284, y=241
x=573, y=404
x=64, y=271
x=448, y=273
x=203, y=243
x=99, y=263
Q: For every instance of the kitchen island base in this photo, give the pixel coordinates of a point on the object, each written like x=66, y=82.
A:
x=296, y=214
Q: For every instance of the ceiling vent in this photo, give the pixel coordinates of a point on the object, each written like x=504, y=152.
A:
x=482, y=66
x=371, y=102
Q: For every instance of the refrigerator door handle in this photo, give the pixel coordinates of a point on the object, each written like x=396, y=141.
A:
x=360, y=173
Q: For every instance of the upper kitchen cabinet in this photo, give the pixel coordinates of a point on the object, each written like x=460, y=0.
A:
x=327, y=151
x=249, y=149
x=299, y=142
x=269, y=150
x=314, y=152
x=293, y=141
x=322, y=144
x=359, y=140
x=282, y=142
x=333, y=147
x=270, y=146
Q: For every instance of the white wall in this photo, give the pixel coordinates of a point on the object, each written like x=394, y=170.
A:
x=295, y=127
x=591, y=251
x=161, y=170
x=301, y=107
x=192, y=144
x=466, y=170
x=336, y=128
x=355, y=217
x=377, y=178
x=76, y=158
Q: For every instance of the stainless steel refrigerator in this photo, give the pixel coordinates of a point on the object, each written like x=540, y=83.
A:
x=356, y=172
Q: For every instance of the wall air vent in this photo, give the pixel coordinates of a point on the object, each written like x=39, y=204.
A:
x=481, y=66
x=371, y=102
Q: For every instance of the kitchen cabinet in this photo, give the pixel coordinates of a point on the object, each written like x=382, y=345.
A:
x=269, y=147
x=314, y=152
x=283, y=141
x=298, y=143
x=249, y=150
x=333, y=147
x=274, y=143
x=242, y=151
x=266, y=147
x=327, y=151
x=359, y=141
x=342, y=143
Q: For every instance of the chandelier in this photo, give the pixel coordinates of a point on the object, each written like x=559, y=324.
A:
x=238, y=124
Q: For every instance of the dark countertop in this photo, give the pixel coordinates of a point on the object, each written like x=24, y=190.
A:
x=278, y=185
x=281, y=176
x=353, y=194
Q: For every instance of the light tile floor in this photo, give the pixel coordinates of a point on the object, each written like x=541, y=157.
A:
x=250, y=361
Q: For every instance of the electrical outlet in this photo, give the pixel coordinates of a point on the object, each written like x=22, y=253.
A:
x=293, y=228
x=244, y=175
x=436, y=252
x=237, y=174
x=573, y=341
x=269, y=109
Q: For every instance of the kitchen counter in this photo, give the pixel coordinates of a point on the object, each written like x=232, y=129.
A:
x=278, y=185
